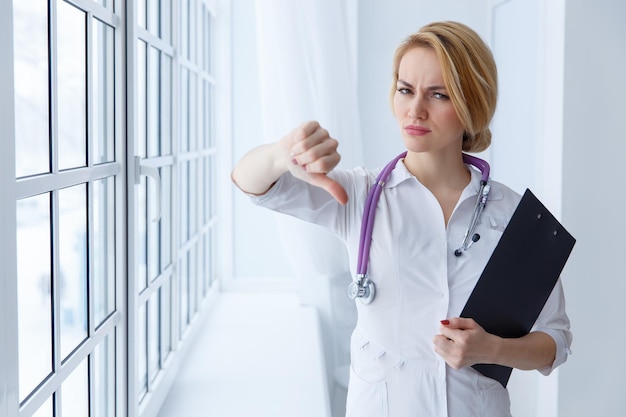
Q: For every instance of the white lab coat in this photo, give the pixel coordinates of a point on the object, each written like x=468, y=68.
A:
x=419, y=281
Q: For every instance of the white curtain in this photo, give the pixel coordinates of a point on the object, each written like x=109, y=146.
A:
x=306, y=56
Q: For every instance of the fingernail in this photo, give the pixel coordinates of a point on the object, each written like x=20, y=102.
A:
x=293, y=161
x=445, y=322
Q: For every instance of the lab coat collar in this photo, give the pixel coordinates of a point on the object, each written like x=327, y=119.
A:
x=401, y=174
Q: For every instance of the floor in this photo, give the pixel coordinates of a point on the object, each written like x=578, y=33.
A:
x=257, y=355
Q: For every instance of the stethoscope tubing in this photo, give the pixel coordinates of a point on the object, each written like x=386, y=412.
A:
x=369, y=212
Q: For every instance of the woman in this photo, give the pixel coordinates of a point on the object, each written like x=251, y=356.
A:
x=411, y=353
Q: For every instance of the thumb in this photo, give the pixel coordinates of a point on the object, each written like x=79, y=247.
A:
x=331, y=186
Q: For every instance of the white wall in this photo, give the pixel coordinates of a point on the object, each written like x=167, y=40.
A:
x=594, y=197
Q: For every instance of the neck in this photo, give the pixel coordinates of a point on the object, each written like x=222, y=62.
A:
x=438, y=171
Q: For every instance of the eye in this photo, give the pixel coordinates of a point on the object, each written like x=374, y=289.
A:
x=440, y=96
x=404, y=90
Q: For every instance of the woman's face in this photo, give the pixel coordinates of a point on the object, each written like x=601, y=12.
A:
x=422, y=106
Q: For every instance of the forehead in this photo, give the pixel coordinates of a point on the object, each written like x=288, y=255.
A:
x=420, y=64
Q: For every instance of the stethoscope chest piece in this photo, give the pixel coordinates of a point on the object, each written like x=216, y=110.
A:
x=363, y=289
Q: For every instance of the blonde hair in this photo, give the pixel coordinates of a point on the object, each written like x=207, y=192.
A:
x=469, y=73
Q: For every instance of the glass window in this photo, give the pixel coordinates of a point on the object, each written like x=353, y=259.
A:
x=45, y=410
x=142, y=10
x=72, y=86
x=103, y=248
x=75, y=392
x=141, y=233
x=34, y=297
x=166, y=216
x=104, y=378
x=72, y=278
x=103, y=93
x=154, y=335
x=30, y=37
x=166, y=20
x=166, y=321
x=153, y=97
x=166, y=105
x=142, y=81
x=153, y=17
x=141, y=335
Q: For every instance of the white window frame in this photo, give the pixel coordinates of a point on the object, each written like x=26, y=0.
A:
x=125, y=363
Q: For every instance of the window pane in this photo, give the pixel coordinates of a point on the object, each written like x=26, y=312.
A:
x=103, y=93
x=154, y=336
x=184, y=28
x=166, y=322
x=212, y=204
x=193, y=198
x=141, y=98
x=104, y=378
x=141, y=13
x=184, y=292
x=166, y=105
x=45, y=410
x=193, y=112
x=30, y=37
x=34, y=291
x=207, y=108
x=75, y=393
x=154, y=232
x=73, y=266
x=141, y=233
x=154, y=69
x=185, y=108
x=193, y=280
x=104, y=248
x=166, y=20
x=207, y=37
x=184, y=202
x=153, y=17
x=166, y=216
x=72, y=87
x=142, y=359
x=206, y=191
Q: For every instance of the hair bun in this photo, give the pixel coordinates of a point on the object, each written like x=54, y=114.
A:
x=478, y=142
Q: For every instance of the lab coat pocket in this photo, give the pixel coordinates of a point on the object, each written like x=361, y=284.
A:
x=495, y=401
x=366, y=399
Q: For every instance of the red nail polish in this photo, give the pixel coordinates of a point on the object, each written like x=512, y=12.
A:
x=445, y=322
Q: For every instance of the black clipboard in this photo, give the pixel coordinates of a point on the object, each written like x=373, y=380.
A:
x=519, y=277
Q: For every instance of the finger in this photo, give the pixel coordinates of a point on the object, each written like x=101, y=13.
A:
x=460, y=323
x=311, y=140
x=331, y=186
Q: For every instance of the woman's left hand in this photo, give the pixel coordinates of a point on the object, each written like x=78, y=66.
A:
x=463, y=342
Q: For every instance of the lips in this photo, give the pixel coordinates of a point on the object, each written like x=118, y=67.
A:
x=416, y=130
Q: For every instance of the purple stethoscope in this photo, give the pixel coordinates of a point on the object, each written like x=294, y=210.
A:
x=363, y=288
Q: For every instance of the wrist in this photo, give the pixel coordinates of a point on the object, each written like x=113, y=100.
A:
x=498, y=347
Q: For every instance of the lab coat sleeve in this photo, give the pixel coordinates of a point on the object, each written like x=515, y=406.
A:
x=553, y=321
x=294, y=197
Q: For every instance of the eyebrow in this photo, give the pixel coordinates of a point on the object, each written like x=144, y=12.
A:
x=431, y=88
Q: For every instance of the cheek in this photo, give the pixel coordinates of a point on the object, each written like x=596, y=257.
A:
x=452, y=119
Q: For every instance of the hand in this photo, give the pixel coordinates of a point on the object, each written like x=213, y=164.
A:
x=463, y=342
x=313, y=154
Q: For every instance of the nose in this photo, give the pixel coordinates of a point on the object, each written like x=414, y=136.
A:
x=417, y=108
